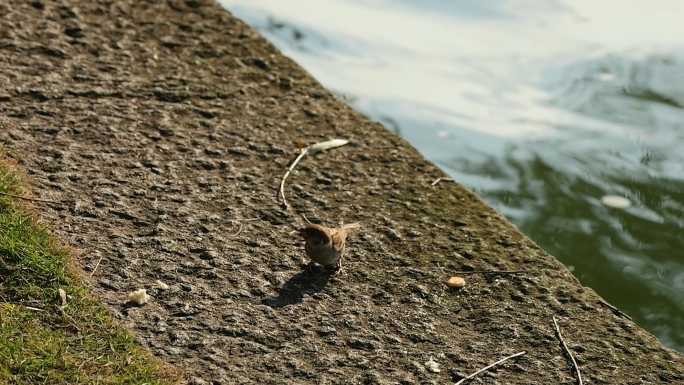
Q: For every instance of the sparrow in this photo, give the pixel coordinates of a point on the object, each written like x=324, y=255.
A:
x=326, y=245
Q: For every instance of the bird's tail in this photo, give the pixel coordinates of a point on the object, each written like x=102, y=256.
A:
x=351, y=226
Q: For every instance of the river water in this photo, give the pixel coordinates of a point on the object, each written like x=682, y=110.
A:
x=542, y=107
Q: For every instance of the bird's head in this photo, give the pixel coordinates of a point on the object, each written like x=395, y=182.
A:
x=315, y=235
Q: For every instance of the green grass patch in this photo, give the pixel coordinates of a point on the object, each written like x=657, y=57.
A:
x=41, y=342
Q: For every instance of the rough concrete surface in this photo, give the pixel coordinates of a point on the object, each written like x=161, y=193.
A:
x=162, y=128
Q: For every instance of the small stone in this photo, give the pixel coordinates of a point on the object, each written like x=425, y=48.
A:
x=205, y=163
x=161, y=285
x=63, y=298
x=327, y=330
x=413, y=233
x=421, y=290
x=260, y=63
x=186, y=287
x=457, y=375
x=363, y=344
x=455, y=282
x=166, y=131
x=109, y=284
x=197, y=381
x=38, y=5
x=238, y=151
x=324, y=181
x=393, y=234
x=213, y=151
x=416, y=367
x=432, y=366
x=138, y=297
x=151, y=163
x=208, y=254
x=285, y=83
x=74, y=32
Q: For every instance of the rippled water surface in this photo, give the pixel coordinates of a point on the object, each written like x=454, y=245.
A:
x=542, y=107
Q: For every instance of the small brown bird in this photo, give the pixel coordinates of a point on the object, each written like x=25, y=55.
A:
x=325, y=245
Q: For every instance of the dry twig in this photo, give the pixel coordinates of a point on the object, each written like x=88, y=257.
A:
x=239, y=230
x=96, y=266
x=32, y=308
x=240, y=225
x=287, y=173
x=616, y=310
x=567, y=350
x=462, y=380
x=27, y=198
x=312, y=149
x=436, y=181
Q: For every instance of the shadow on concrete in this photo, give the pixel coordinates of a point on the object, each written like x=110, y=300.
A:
x=309, y=281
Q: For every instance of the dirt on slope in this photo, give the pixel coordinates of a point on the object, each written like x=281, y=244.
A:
x=161, y=130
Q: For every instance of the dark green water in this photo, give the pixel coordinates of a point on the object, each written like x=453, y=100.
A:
x=542, y=107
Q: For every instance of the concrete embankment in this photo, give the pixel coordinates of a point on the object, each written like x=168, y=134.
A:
x=162, y=130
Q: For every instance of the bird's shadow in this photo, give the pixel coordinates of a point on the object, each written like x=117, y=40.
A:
x=309, y=281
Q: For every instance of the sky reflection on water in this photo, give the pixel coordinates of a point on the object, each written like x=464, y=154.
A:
x=542, y=107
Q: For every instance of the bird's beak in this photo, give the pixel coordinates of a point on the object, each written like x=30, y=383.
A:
x=301, y=232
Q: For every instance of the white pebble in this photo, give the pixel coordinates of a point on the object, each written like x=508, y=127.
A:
x=616, y=201
x=162, y=285
x=433, y=366
x=63, y=298
x=138, y=297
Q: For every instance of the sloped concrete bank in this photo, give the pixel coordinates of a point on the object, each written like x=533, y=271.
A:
x=161, y=131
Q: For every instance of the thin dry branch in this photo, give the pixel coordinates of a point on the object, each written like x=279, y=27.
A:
x=239, y=230
x=462, y=380
x=32, y=308
x=27, y=198
x=568, y=352
x=287, y=173
x=314, y=148
x=96, y=266
x=436, y=181
x=616, y=310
